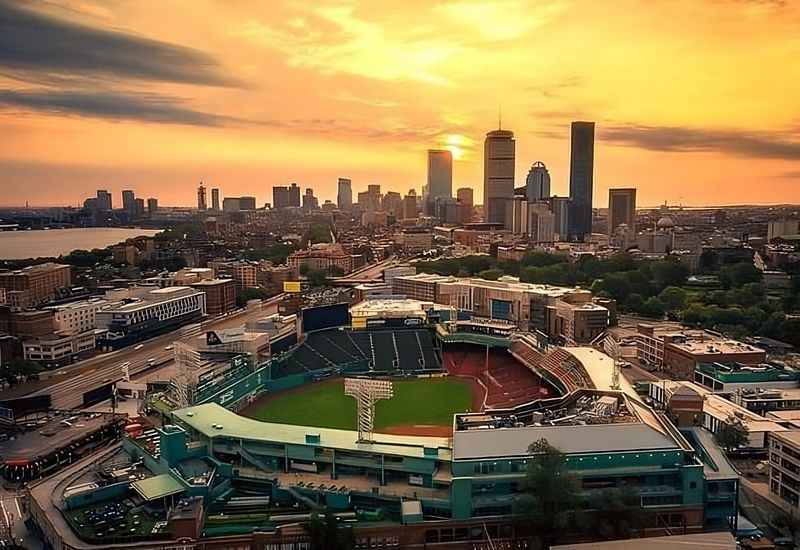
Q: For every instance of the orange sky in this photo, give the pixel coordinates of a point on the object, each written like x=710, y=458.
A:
x=696, y=102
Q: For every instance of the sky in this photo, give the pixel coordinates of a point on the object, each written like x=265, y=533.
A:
x=696, y=102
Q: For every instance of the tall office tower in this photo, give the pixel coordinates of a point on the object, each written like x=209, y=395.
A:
x=559, y=206
x=440, y=175
x=138, y=208
x=498, y=174
x=374, y=188
x=202, y=205
x=104, y=202
x=537, y=184
x=280, y=196
x=516, y=219
x=344, y=194
x=410, y=205
x=581, y=169
x=621, y=209
x=129, y=202
x=294, y=195
x=465, y=204
x=152, y=206
x=310, y=202
x=215, y=199
x=370, y=200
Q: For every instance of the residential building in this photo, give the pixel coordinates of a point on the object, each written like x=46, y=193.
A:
x=498, y=174
x=220, y=295
x=344, y=194
x=621, y=209
x=129, y=203
x=152, y=206
x=215, y=199
x=537, y=184
x=321, y=257
x=35, y=285
x=581, y=180
x=104, y=202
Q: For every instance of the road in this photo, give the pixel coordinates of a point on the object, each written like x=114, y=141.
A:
x=68, y=384
x=367, y=274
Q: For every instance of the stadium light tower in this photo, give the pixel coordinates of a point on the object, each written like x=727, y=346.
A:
x=366, y=393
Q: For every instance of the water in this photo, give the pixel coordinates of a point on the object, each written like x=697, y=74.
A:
x=19, y=245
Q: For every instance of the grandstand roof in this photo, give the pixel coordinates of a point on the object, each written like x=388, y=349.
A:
x=577, y=439
x=215, y=421
x=600, y=368
x=158, y=486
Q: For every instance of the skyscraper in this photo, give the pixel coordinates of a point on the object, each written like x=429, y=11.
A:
x=104, y=202
x=498, y=174
x=465, y=204
x=559, y=206
x=344, y=194
x=581, y=183
x=129, y=202
x=440, y=176
x=280, y=196
x=202, y=205
x=621, y=209
x=410, y=205
x=310, y=202
x=294, y=195
x=152, y=206
x=215, y=199
x=537, y=184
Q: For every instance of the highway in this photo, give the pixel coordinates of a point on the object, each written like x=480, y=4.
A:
x=67, y=385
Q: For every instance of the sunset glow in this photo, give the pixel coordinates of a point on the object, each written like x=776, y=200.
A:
x=690, y=98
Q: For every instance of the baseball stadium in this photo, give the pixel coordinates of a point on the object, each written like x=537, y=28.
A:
x=410, y=420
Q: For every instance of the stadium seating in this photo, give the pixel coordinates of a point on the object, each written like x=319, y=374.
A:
x=388, y=351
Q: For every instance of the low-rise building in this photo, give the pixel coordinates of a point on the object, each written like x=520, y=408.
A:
x=220, y=295
x=60, y=348
x=784, y=467
x=321, y=257
x=35, y=285
x=77, y=316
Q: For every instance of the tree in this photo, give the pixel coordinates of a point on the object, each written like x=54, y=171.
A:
x=248, y=294
x=550, y=492
x=16, y=369
x=732, y=434
x=615, y=513
x=317, y=277
x=653, y=307
x=673, y=297
x=669, y=273
x=634, y=303
x=326, y=533
x=736, y=275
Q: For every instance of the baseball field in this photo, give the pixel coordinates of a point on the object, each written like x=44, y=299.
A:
x=419, y=406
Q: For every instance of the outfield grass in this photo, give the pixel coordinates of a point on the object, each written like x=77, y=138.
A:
x=415, y=402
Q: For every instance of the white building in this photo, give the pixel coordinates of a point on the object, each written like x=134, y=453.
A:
x=58, y=348
x=77, y=317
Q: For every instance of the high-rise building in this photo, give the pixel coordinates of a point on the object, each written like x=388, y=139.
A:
x=294, y=195
x=310, y=202
x=581, y=182
x=129, y=202
x=370, y=200
x=280, y=196
x=440, y=175
x=516, y=212
x=537, y=184
x=410, y=205
x=247, y=203
x=104, y=202
x=559, y=206
x=464, y=196
x=138, y=208
x=621, y=209
x=215, y=199
x=344, y=194
x=202, y=205
x=152, y=206
x=498, y=174
x=393, y=203
x=540, y=223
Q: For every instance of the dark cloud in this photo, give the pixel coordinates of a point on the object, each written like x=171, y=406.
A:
x=35, y=46
x=774, y=145
x=112, y=105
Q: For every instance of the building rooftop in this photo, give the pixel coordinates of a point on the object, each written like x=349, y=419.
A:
x=214, y=421
x=57, y=431
x=577, y=439
x=741, y=373
x=159, y=486
x=700, y=541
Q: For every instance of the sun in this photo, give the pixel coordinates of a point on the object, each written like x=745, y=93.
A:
x=453, y=143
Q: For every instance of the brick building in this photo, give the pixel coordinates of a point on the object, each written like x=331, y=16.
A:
x=220, y=295
x=34, y=285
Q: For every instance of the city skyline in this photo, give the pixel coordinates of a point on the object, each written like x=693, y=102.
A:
x=674, y=118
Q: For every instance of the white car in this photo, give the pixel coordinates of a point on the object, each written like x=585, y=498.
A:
x=140, y=346
x=168, y=348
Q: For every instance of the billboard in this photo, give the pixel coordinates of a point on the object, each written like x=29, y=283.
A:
x=27, y=405
x=318, y=318
x=291, y=286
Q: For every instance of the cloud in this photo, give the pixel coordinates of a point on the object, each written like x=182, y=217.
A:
x=773, y=145
x=113, y=105
x=34, y=45
x=789, y=175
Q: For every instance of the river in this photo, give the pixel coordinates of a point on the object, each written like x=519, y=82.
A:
x=20, y=245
